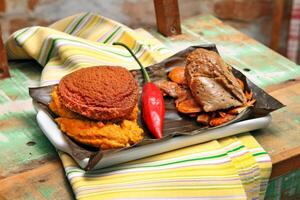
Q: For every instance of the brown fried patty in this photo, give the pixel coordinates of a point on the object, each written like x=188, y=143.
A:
x=100, y=93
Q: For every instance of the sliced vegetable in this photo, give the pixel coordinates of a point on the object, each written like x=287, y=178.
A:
x=177, y=75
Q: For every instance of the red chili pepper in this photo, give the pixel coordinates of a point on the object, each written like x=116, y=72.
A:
x=153, y=109
x=152, y=102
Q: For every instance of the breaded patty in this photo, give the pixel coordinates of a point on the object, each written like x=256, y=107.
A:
x=60, y=110
x=97, y=134
x=102, y=93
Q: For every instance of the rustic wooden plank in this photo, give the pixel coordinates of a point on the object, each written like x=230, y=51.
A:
x=47, y=181
x=286, y=83
x=21, y=140
x=167, y=17
x=281, y=138
x=283, y=132
x=284, y=187
x=285, y=162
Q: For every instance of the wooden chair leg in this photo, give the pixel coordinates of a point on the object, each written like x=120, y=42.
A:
x=276, y=24
x=4, y=71
x=167, y=17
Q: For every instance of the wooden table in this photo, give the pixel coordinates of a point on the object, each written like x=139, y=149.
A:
x=29, y=165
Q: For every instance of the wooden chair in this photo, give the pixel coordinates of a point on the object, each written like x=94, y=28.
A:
x=167, y=18
x=4, y=71
x=278, y=10
x=292, y=50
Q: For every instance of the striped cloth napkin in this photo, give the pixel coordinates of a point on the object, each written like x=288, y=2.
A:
x=231, y=168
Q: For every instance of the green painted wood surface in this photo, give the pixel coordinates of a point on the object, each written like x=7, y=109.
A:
x=242, y=52
x=21, y=140
x=284, y=187
x=23, y=146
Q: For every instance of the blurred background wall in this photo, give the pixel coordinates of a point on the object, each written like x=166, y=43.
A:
x=253, y=17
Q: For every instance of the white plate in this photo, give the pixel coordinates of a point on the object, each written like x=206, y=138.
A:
x=53, y=133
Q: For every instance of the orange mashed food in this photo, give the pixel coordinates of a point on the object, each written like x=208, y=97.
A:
x=97, y=134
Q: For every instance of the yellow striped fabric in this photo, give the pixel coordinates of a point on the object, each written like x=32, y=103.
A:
x=80, y=41
x=230, y=168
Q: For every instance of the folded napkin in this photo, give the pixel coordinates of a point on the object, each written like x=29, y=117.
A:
x=231, y=168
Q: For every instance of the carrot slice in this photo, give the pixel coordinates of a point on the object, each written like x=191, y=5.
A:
x=221, y=120
x=203, y=119
x=177, y=75
x=188, y=106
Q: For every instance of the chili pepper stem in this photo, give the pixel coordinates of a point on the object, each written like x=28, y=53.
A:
x=145, y=73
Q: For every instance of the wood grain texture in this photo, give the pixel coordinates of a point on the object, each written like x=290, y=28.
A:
x=33, y=171
x=22, y=143
x=283, y=132
x=278, y=9
x=47, y=181
x=281, y=138
x=167, y=17
x=4, y=71
x=286, y=162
